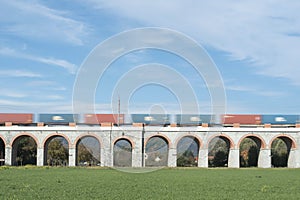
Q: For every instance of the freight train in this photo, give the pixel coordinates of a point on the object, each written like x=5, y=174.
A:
x=28, y=119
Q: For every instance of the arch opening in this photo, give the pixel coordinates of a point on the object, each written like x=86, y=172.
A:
x=56, y=151
x=88, y=151
x=249, y=151
x=122, y=153
x=24, y=151
x=156, y=152
x=2, y=152
x=187, y=152
x=280, y=151
x=218, y=151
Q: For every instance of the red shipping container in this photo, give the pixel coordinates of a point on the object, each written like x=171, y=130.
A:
x=16, y=118
x=241, y=119
x=103, y=118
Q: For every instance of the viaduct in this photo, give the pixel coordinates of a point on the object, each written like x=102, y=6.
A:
x=107, y=136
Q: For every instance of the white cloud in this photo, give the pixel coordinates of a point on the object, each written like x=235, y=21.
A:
x=59, y=88
x=34, y=106
x=254, y=90
x=47, y=85
x=41, y=83
x=35, y=20
x=21, y=106
x=14, y=93
x=54, y=97
x=58, y=62
x=11, y=93
x=263, y=33
x=19, y=73
x=49, y=61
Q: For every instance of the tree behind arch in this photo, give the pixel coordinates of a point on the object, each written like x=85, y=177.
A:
x=186, y=159
x=253, y=156
x=279, y=153
x=26, y=151
x=57, y=154
x=220, y=159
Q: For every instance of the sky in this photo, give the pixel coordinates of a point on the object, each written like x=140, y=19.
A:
x=254, y=44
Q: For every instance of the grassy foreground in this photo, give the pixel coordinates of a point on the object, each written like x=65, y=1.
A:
x=195, y=183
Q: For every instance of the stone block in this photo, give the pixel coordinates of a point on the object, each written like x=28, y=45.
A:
x=205, y=125
x=8, y=123
x=40, y=124
x=106, y=124
x=72, y=124
x=137, y=124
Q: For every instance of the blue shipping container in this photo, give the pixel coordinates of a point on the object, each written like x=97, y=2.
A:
x=148, y=119
x=58, y=118
x=280, y=119
x=190, y=119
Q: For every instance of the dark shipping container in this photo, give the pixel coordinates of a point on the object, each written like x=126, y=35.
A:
x=280, y=119
x=58, y=118
x=191, y=119
x=151, y=119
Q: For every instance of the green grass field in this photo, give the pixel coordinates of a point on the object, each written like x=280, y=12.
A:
x=176, y=183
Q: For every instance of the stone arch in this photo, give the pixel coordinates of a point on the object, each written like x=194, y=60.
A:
x=219, y=146
x=89, y=135
x=88, y=154
x=250, y=146
x=157, y=151
x=122, y=155
x=61, y=159
x=222, y=135
x=166, y=138
x=255, y=137
x=190, y=135
x=124, y=138
x=293, y=141
x=187, y=148
x=59, y=135
x=25, y=134
x=22, y=156
x=282, y=154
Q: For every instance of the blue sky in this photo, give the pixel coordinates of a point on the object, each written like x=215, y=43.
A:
x=255, y=45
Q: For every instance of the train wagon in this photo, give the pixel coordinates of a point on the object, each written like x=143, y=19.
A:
x=58, y=118
x=242, y=119
x=280, y=119
x=151, y=119
x=104, y=118
x=16, y=118
x=194, y=119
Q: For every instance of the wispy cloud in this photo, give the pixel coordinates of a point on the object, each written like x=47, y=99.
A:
x=47, y=86
x=58, y=62
x=262, y=33
x=21, y=106
x=19, y=73
x=49, y=61
x=35, y=20
x=41, y=83
x=59, y=88
x=253, y=90
x=54, y=97
x=34, y=106
x=13, y=94
x=17, y=94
